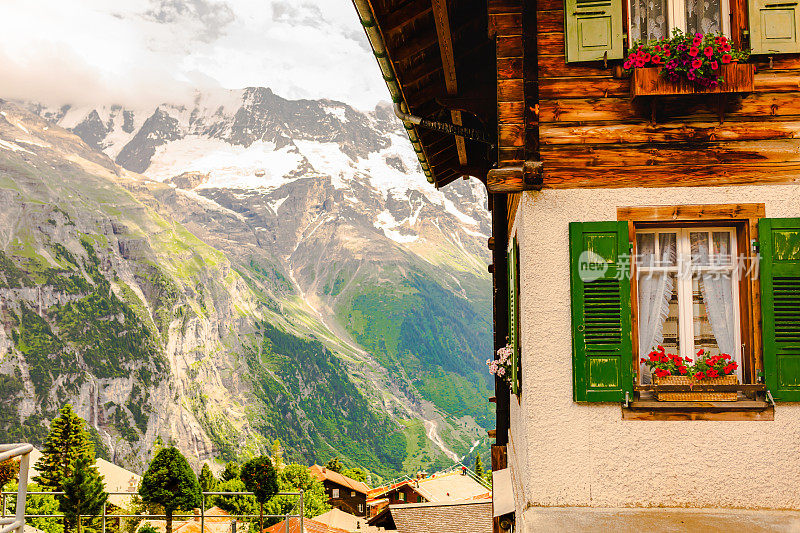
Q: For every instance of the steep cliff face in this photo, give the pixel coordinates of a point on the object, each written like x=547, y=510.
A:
x=288, y=274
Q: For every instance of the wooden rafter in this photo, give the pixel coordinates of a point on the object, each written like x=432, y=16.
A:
x=442, y=19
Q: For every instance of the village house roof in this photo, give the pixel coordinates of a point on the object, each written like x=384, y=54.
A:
x=340, y=519
x=292, y=525
x=216, y=521
x=323, y=474
x=438, y=64
x=115, y=479
x=442, y=487
x=448, y=517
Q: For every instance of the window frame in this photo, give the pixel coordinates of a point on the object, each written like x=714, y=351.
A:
x=743, y=218
x=676, y=16
x=334, y=493
x=735, y=23
x=684, y=289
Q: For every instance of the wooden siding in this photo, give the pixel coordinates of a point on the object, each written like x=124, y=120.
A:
x=593, y=134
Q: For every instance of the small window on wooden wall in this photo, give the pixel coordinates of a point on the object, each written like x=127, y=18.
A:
x=651, y=20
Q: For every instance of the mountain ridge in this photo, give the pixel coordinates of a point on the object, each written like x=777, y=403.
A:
x=325, y=249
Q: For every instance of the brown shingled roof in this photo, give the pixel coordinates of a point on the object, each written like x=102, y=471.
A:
x=322, y=473
x=450, y=517
x=292, y=525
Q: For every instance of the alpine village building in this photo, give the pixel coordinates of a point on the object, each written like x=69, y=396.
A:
x=343, y=493
x=606, y=186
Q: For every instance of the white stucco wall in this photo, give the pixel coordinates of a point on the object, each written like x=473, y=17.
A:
x=568, y=454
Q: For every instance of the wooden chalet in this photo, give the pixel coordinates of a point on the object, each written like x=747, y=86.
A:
x=606, y=187
x=343, y=493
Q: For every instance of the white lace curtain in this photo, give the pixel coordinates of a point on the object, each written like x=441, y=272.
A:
x=716, y=290
x=655, y=291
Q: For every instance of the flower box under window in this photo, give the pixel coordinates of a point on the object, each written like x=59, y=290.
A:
x=648, y=81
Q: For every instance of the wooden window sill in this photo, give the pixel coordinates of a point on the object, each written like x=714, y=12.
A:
x=744, y=409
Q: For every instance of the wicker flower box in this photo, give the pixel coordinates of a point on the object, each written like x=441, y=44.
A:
x=699, y=396
x=648, y=81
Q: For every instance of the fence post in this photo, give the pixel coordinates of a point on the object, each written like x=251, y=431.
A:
x=203, y=513
x=22, y=489
x=104, y=517
x=302, y=511
x=3, y=496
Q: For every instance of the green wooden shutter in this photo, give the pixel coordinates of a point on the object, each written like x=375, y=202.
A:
x=602, y=356
x=593, y=30
x=780, y=305
x=773, y=26
x=513, y=313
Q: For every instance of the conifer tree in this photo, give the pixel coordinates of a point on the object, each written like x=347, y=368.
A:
x=480, y=472
x=231, y=471
x=277, y=454
x=67, y=442
x=170, y=483
x=208, y=483
x=84, y=494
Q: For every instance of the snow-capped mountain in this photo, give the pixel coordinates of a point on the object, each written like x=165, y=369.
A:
x=330, y=229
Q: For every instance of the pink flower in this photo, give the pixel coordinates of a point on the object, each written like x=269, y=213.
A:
x=726, y=47
x=693, y=51
x=708, y=51
x=501, y=371
x=714, y=65
x=726, y=58
x=626, y=65
x=697, y=64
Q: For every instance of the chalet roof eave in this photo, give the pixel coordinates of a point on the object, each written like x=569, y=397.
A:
x=375, y=39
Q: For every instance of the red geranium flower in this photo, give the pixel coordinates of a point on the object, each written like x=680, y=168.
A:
x=682, y=369
x=726, y=58
x=687, y=360
x=697, y=63
x=656, y=60
x=714, y=65
x=726, y=47
x=700, y=352
x=660, y=348
x=708, y=51
x=712, y=373
x=693, y=51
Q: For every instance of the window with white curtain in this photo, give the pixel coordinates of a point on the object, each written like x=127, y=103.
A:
x=650, y=20
x=688, y=292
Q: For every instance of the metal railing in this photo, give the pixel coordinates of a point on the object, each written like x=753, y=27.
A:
x=21, y=516
x=10, y=451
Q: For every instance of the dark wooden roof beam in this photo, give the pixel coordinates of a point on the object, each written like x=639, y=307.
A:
x=397, y=19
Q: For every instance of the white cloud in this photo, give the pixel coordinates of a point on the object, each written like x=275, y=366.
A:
x=141, y=52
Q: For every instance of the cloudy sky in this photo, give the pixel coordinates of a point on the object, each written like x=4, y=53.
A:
x=142, y=52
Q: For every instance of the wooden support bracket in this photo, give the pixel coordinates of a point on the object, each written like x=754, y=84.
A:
x=525, y=177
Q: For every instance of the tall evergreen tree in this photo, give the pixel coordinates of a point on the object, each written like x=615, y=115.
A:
x=231, y=471
x=67, y=442
x=170, y=483
x=208, y=483
x=84, y=495
x=480, y=472
x=277, y=454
